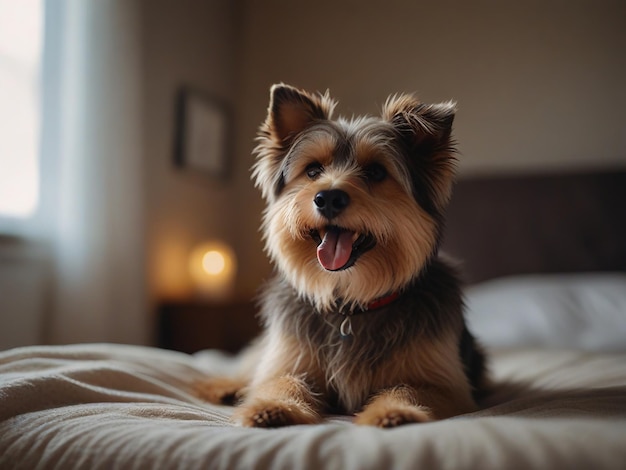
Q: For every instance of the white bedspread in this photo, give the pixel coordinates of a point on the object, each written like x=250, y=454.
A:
x=112, y=406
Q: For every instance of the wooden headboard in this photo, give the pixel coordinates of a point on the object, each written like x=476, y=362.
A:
x=553, y=223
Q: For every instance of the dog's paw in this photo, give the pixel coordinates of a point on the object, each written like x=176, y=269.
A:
x=219, y=390
x=386, y=417
x=268, y=414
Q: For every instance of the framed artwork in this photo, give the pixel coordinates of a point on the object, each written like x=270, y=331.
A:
x=202, y=133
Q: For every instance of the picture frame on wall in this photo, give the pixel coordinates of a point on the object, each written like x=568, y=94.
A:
x=202, y=133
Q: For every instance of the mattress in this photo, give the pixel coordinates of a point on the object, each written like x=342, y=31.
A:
x=556, y=404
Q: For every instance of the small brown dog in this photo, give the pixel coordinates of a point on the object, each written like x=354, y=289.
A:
x=363, y=315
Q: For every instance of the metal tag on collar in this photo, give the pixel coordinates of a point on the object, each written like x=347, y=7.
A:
x=346, y=327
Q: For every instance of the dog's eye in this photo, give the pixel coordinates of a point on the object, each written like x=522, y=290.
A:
x=314, y=170
x=375, y=172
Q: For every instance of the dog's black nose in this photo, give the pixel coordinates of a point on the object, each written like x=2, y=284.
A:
x=331, y=202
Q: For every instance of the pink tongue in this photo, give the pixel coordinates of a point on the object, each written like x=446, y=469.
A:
x=335, y=250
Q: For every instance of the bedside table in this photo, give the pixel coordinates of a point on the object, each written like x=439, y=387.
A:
x=191, y=326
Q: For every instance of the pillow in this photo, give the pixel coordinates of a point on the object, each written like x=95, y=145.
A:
x=581, y=311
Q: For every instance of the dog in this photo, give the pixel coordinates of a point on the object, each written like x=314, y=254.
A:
x=364, y=316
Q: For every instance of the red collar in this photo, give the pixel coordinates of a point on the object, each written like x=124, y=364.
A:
x=382, y=301
x=346, y=325
x=373, y=305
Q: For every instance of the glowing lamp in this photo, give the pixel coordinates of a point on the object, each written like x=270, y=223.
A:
x=212, y=267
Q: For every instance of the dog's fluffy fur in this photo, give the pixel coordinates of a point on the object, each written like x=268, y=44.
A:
x=363, y=315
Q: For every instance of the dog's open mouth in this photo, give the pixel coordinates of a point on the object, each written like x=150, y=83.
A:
x=338, y=248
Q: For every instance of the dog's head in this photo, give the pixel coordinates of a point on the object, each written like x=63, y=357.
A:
x=354, y=207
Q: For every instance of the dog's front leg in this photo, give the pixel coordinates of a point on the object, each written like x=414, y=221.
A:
x=404, y=404
x=394, y=406
x=280, y=401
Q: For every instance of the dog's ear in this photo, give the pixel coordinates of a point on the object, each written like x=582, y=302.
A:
x=426, y=129
x=419, y=122
x=292, y=110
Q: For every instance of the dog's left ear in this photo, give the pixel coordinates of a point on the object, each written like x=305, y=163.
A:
x=292, y=110
x=421, y=123
x=427, y=130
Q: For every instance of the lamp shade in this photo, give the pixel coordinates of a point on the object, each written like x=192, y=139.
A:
x=212, y=267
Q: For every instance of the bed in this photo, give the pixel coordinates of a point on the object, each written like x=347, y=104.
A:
x=545, y=260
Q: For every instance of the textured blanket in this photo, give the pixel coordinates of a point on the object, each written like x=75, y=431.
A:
x=112, y=406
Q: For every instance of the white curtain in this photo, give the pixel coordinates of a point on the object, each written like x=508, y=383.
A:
x=92, y=166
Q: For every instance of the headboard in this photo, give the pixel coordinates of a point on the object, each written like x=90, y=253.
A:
x=550, y=223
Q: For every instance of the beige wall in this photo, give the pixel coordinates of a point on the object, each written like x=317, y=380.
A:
x=539, y=84
x=191, y=43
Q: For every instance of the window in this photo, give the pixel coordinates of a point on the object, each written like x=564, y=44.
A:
x=21, y=34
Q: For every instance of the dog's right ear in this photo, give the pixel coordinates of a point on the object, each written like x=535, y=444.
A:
x=292, y=110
